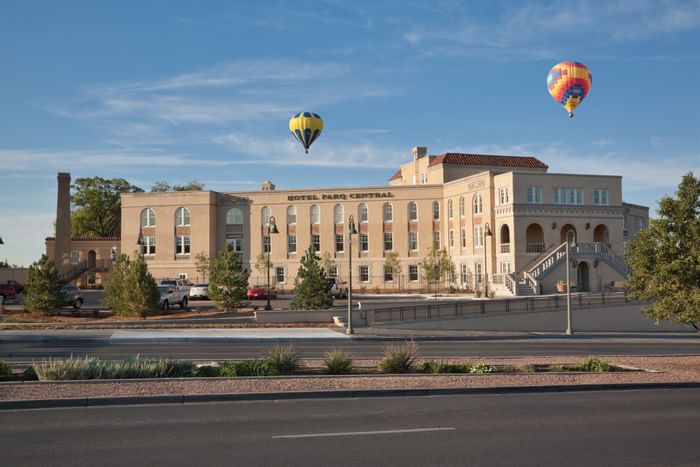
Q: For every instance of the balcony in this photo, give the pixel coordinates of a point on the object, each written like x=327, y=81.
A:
x=535, y=248
x=505, y=248
x=234, y=229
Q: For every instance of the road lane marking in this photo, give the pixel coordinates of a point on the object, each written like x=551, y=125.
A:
x=361, y=433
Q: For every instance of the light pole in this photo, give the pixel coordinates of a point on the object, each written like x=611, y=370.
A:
x=351, y=231
x=271, y=229
x=569, y=329
x=487, y=233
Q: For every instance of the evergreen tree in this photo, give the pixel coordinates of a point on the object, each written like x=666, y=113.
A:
x=132, y=291
x=665, y=258
x=311, y=291
x=43, y=286
x=228, y=281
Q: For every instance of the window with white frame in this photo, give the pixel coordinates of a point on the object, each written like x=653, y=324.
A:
x=339, y=243
x=505, y=267
x=412, y=212
x=182, y=275
x=234, y=216
x=478, y=237
x=413, y=241
x=291, y=244
x=332, y=271
x=413, y=272
x=338, y=214
x=478, y=272
x=449, y=209
x=464, y=273
x=388, y=274
x=316, y=242
x=265, y=215
x=182, y=217
x=388, y=241
x=236, y=243
x=534, y=195
x=436, y=240
x=364, y=273
x=266, y=243
x=461, y=206
x=436, y=211
x=363, y=213
x=463, y=235
x=182, y=245
x=423, y=178
x=315, y=214
x=364, y=242
x=279, y=275
x=478, y=207
x=148, y=245
x=566, y=195
x=600, y=197
x=452, y=238
x=148, y=218
x=74, y=257
x=388, y=212
x=291, y=215
x=503, y=195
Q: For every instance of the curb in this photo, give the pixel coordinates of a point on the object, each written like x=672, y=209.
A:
x=86, y=402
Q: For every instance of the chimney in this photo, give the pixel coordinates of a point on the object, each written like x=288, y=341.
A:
x=63, y=227
x=419, y=151
x=267, y=186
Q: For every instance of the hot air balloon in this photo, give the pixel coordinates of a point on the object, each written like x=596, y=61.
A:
x=306, y=127
x=569, y=84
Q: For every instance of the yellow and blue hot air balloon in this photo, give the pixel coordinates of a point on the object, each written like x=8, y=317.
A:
x=569, y=84
x=306, y=127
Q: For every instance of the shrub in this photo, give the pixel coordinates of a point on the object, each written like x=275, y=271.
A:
x=229, y=369
x=482, y=368
x=132, y=291
x=439, y=366
x=5, y=371
x=94, y=368
x=228, y=280
x=337, y=362
x=399, y=359
x=43, y=286
x=207, y=371
x=282, y=360
x=592, y=364
x=311, y=290
x=29, y=375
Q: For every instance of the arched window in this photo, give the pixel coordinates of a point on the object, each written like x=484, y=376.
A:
x=148, y=218
x=412, y=211
x=315, y=214
x=364, y=213
x=478, y=208
x=291, y=215
x=234, y=216
x=338, y=214
x=436, y=211
x=388, y=212
x=182, y=217
x=461, y=206
x=449, y=209
x=265, y=217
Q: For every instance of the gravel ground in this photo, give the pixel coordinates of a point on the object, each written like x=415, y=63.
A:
x=659, y=370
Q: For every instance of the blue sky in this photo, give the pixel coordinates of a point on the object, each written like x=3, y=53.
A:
x=185, y=90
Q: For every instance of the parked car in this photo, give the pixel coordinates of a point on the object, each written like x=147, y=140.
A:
x=19, y=288
x=171, y=296
x=71, y=296
x=260, y=292
x=199, y=291
x=7, y=292
x=337, y=288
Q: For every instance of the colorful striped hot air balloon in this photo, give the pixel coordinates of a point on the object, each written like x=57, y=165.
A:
x=569, y=84
x=306, y=127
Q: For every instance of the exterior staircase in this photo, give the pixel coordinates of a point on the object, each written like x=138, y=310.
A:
x=85, y=266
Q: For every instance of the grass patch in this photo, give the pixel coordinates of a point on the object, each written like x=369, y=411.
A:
x=592, y=364
x=282, y=360
x=399, y=359
x=95, y=368
x=230, y=369
x=337, y=362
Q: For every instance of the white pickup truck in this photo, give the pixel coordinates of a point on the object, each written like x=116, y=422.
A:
x=338, y=289
x=172, y=292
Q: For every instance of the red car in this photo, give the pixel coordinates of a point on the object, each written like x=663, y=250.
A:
x=260, y=292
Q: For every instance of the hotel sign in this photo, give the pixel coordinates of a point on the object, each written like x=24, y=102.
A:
x=330, y=196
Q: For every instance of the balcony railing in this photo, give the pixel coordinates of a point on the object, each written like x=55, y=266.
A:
x=505, y=247
x=233, y=229
x=535, y=248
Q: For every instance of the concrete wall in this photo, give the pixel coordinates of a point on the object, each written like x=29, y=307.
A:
x=17, y=274
x=311, y=316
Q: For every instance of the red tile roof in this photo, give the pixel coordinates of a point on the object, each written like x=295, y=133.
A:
x=396, y=176
x=487, y=160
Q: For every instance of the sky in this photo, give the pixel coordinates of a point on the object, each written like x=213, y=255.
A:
x=203, y=91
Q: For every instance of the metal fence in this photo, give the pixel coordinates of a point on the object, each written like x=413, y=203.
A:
x=454, y=309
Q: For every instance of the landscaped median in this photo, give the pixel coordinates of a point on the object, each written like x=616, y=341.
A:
x=280, y=374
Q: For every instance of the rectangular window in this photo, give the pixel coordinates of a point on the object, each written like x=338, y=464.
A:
x=149, y=246
x=505, y=267
x=339, y=243
x=364, y=273
x=236, y=243
x=464, y=238
x=332, y=271
x=364, y=242
x=279, y=275
x=534, y=194
x=503, y=195
x=182, y=245
x=600, y=197
x=478, y=237
x=413, y=272
x=452, y=239
x=568, y=195
x=477, y=270
x=423, y=178
x=266, y=244
x=388, y=241
x=388, y=274
x=464, y=273
x=182, y=275
x=413, y=241
x=388, y=212
x=291, y=244
x=316, y=242
x=74, y=257
x=436, y=240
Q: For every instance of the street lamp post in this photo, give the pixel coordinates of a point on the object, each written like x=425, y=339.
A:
x=487, y=233
x=271, y=229
x=351, y=231
x=569, y=329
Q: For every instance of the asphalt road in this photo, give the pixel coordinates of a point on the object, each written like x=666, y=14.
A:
x=27, y=351
x=634, y=428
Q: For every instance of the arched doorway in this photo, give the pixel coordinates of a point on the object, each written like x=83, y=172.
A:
x=505, y=239
x=565, y=230
x=91, y=259
x=582, y=277
x=601, y=234
x=534, y=236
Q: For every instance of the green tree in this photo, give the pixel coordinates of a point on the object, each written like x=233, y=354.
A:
x=43, y=286
x=228, y=281
x=203, y=265
x=131, y=290
x=392, y=265
x=262, y=262
x=437, y=266
x=665, y=258
x=311, y=291
x=327, y=261
x=163, y=186
x=98, y=206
